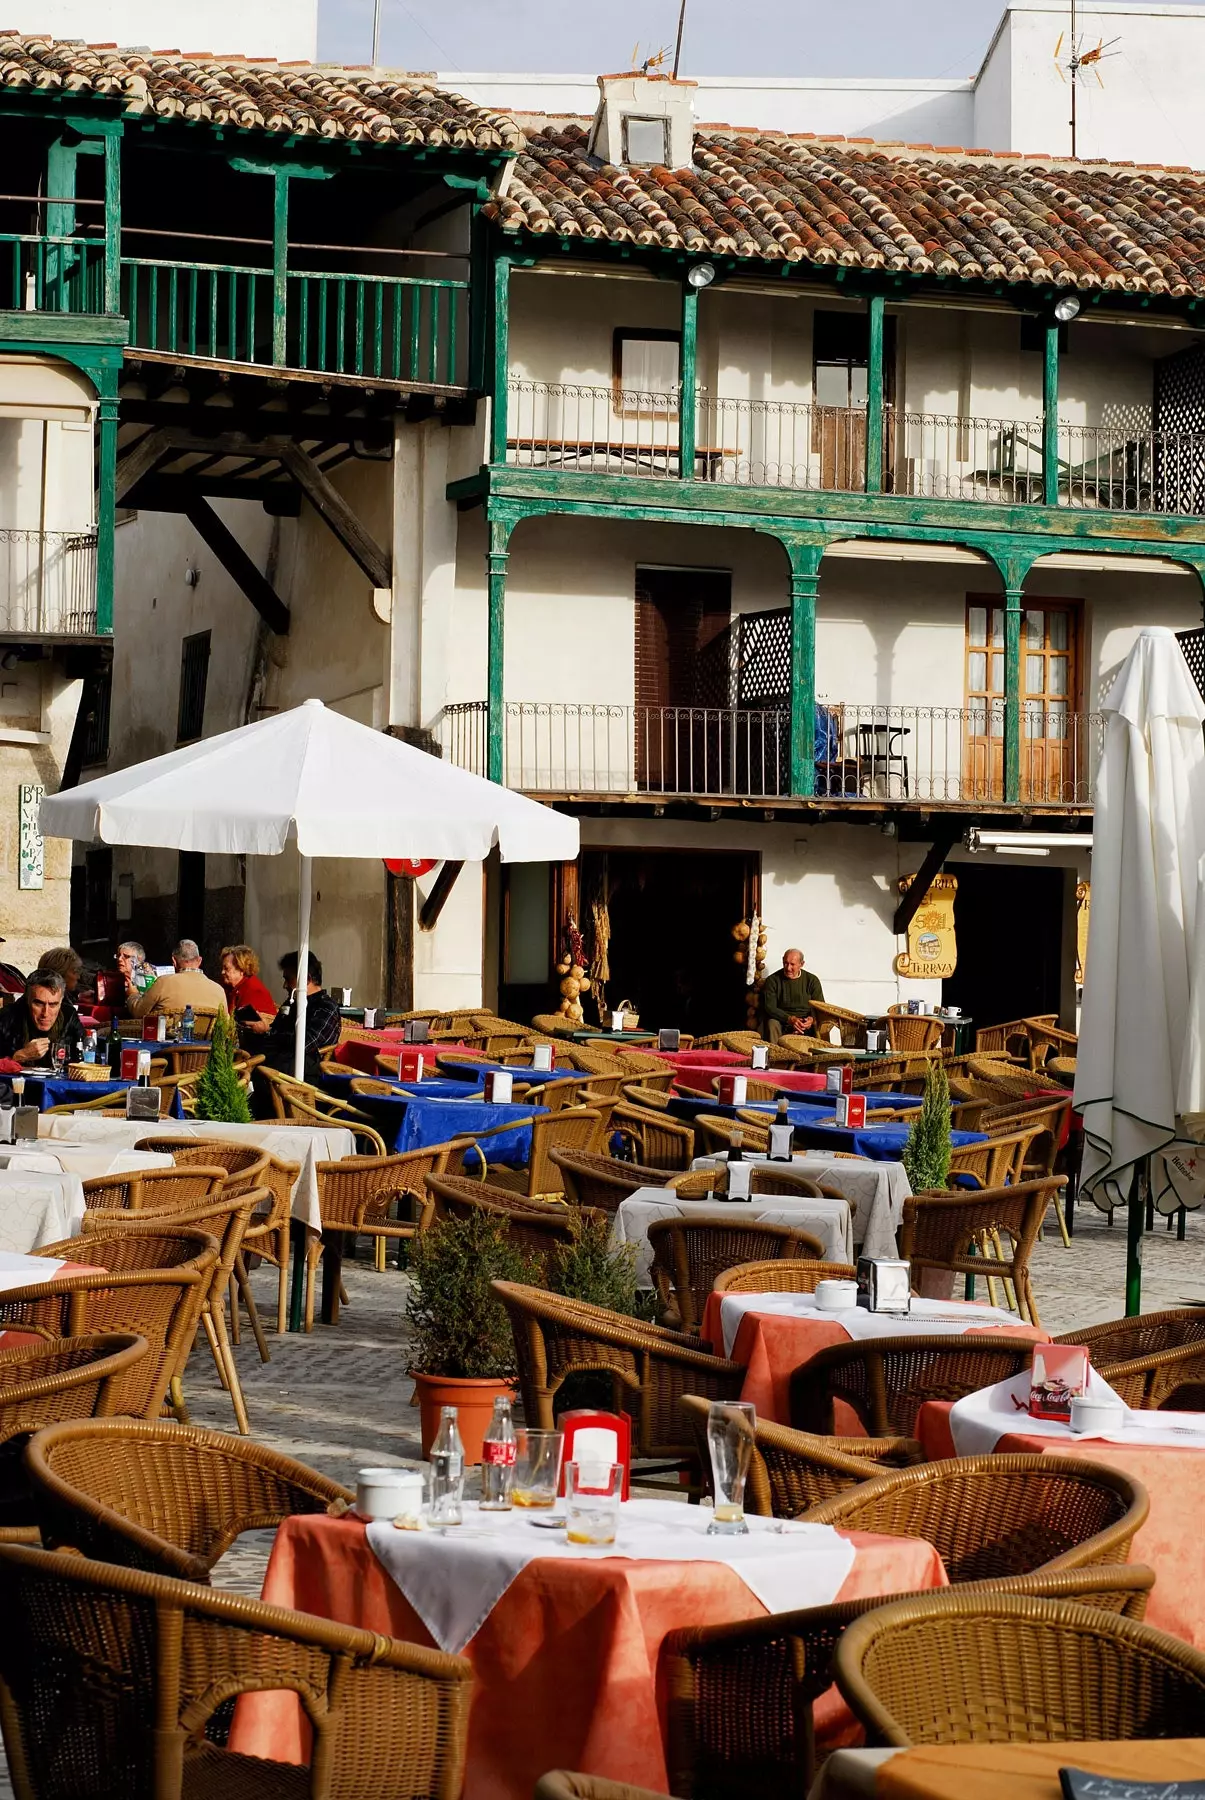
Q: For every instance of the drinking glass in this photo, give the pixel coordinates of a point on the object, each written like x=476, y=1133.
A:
x=730, y=1425
x=592, y=1494
x=537, y=1467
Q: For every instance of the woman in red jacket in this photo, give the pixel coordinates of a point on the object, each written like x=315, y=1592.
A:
x=243, y=987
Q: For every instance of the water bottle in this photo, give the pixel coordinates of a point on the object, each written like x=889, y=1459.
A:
x=498, y=1459
x=188, y=1024
x=447, y=1471
x=782, y=1133
x=90, y=1047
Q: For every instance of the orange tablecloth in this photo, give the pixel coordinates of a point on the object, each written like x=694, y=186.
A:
x=1030, y=1771
x=566, y=1663
x=16, y=1340
x=773, y=1345
x=1169, y=1542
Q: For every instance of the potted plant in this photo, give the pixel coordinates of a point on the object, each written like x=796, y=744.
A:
x=926, y=1154
x=593, y=1268
x=463, y=1353
x=220, y=1093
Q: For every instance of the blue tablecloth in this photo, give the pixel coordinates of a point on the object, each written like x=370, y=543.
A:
x=473, y=1071
x=434, y=1089
x=819, y=1097
x=803, y=1110
x=882, y=1143
x=408, y=1121
x=42, y=1091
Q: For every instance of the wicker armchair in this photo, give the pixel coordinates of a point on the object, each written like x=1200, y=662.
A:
x=652, y=1071
x=602, y=1181
x=769, y=1672
x=787, y=1275
x=650, y=1368
x=296, y=1102
x=167, y=1498
x=554, y=1025
x=913, y=1034
x=155, y=1283
x=54, y=1378
x=1000, y=1224
x=123, y=1708
x=719, y=1134
x=1000, y=1515
x=688, y=1254
x=958, y=1669
x=791, y=1471
x=764, y=1178
x=742, y=1043
x=538, y=1227
x=852, y=1025
x=1146, y=1358
x=651, y=1099
x=155, y=1190
x=1000, y=1161
x=355, y=1196
x=573, y=1128
x=658, y=1141
x=886, y=1381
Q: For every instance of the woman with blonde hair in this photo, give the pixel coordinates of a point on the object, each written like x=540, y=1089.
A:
x=245, y=992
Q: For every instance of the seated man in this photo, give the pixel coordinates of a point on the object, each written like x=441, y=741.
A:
x=279, y=1038
x=786, y=998
x=189, y=986
x=33, y=1025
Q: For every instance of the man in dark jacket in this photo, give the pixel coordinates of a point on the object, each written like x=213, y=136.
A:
x=33, y=1025
x=787, y=996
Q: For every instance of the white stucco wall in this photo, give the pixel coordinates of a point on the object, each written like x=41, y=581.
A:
x=287, y=29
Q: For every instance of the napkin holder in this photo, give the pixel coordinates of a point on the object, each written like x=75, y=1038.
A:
x=410, y=1064
x=18, y=1124
x=372, y=1017
x=416, y=1031
x=740, y=1181
x=669, y=1038
x=143, y=1102
x=851, y=1111
x=884, y=1284
x=618, y=1424
x=876, y=1040
x=839, y=1078
x=759, y=1056
x=1058, y=1375
x=499, y=1086
x=732, y=1090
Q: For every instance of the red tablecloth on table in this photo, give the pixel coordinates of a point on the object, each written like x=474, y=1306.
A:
x=566, y=1663
x=773, y=1345
x=362, y=1052
x=15, y=1340
x=1169, y=1542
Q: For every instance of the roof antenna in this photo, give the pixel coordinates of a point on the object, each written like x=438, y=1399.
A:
x=678, y=41
x=376, y=34
x=1078, y=60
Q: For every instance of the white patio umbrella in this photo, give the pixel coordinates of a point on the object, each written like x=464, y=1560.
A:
x=1141, y=1015
x=336, y=787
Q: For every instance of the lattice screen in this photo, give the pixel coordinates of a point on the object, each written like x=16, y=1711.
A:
x=764, y=661
x=1193, y=645
x=1179, y=444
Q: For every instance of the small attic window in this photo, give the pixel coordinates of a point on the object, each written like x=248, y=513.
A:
x=645, y=140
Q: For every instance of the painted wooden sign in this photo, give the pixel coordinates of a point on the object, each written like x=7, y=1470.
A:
x=932, y=953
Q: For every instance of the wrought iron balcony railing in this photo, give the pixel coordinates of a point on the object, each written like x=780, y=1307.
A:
x=863, y=755
x=48, y=583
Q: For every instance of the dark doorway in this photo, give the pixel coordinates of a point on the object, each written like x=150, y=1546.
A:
x=682, y=618
x=672, y=951
x=190, y=896
x=1009, y=928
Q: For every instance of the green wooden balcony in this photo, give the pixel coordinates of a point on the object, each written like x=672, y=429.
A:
x=51, y=274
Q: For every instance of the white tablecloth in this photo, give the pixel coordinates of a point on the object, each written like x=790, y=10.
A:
x=933, y=1318
x=876, y=1192
x=26, y=1271
x=38, y=1207
x=828, y=1220
x=453, y=1582
x=86, y=1161
x=980, y=1420
x=303, y=1144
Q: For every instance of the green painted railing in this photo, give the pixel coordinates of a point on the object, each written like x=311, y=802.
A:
x=51, y=274
x=382, y=328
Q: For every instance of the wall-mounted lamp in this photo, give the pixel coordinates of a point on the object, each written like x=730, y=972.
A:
x=701, y=275
x=192, y=575
x=1066, y=309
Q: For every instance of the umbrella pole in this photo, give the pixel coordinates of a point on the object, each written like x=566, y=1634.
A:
x=1135, y=1222
x=303, y=965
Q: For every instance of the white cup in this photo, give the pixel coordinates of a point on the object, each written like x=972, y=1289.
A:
x=384, y=1493
x=836, y=1296
x=952, y=1012
x=1090, y=1415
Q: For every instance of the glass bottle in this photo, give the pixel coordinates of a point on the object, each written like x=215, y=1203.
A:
x=114, y=1049
x=736, y=1147
x=782, y=1133
x=188, y=1024
x=498, y=1459
x=447, y=1471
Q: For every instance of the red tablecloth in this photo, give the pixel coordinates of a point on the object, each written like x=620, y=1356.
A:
x=1168, y=1543
x=14, y=1340
x=566, y=1663
x=773, y=1345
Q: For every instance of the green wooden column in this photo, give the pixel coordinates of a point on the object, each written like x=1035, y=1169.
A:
x=61, y=165
x=1012, y=693
x=112, y=224
x=874, y=395
x=688, y=354
x=804, y=557
x=500, y=373
x=495, y=562
x=106, y=497
x=280, y=269
x=1050, y=415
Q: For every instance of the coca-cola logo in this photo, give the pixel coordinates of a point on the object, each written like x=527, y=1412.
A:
x=503, y=1454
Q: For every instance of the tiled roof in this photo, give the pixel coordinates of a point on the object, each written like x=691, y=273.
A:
x=259, y=95
x=976, y=216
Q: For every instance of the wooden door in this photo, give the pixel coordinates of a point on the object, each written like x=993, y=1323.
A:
x=1051, y=748
x=679, y=614
x=840, y=347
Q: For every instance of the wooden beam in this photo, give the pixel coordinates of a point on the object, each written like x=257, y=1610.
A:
x=140, y=461
x=399, y=940
x=433, y=905
x=334, y=511
x=238, y=565
x=913, y=896
x=175, y=493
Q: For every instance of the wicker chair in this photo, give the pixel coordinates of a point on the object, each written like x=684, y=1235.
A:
x=651, y=1099
x=785, y=1276
x=296, y=1102
x=1000, y=1160
x=171, y=1499
x=791, y=1471
x=355, y=1196
x=658, y=1141
x=940, y=1230
x=651, y=1071
x=110, y=1677
x=688, y=1254
x=886, y=1381
x=573, y=1128
x=958, y=1669
x=742, y=1043
x=155, y=1190
x=764, y=1178
x=154, y=1284
x=554, y=1025
x=913, y=1034
x=890, y=1074
x=1146, y=1358
x=720, y=1134
x=990, y=1516
x=564, y=1784
x=53, y=1378
x=852, y=1025
x=650, y=1368
x=769, y=1672
x=535, y=1226
x=602, y=1181
x=246, y=1167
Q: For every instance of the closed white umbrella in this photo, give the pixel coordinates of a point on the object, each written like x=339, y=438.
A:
x=1136, y=1069
x=333, y=786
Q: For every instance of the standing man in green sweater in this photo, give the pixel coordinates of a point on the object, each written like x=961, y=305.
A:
x=787, y=996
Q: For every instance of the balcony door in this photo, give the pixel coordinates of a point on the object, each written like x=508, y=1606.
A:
x=682, y=616
x=1052, y=754
x=840, y=357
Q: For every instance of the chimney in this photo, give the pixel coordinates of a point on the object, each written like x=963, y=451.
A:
x=644, y=119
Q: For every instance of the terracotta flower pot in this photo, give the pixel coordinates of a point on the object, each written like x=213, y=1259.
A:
x=474, y=1402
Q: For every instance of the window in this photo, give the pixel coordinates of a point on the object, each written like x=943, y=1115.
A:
x=645, y=140
x=645, y=372
x=194, y=676
x=840, y=351
x=98, y=695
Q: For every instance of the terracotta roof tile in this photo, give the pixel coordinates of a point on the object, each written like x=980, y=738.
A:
x=302, y=99
x=973, y=215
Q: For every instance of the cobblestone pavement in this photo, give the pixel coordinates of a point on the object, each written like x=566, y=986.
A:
x=339, y=1399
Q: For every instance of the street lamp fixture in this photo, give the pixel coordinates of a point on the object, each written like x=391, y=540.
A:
x=701, y=275
x=1066, y=309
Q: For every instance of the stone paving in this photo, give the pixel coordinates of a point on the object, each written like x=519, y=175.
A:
x=339, y=1398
